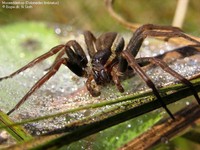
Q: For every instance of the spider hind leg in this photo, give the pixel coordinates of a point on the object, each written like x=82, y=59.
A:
x=135, y=66
x=166, y=68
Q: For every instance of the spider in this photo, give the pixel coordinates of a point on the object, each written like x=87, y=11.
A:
x=109, y=59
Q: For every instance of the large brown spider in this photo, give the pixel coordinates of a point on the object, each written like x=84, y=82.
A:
x=109, y=60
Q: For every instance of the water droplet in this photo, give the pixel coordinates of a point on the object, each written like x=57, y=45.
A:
x=57, y=30
x=187, y=103
x=162, y=51
x=21, y=55
x=146, y=42
x=129, y=126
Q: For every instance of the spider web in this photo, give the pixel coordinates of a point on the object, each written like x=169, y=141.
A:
x=65, y=91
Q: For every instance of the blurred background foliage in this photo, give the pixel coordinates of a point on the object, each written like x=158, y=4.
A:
x=92, y=15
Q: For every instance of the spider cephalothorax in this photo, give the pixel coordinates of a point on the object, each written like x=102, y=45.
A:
x=102, y=57
x=109, y=59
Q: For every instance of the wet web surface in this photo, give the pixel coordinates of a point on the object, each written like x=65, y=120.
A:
x=66, y=91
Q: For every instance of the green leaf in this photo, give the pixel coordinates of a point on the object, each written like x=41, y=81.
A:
x=17, y=132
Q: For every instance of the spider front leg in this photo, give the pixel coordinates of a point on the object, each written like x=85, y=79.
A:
x=53, y=51
x=115, y=77
x=39, y=83
x=92, y=87
x=90, y=40
x=76, y=61
x=134, y=65
x=76, y=56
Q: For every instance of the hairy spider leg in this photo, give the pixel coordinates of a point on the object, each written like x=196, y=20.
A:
x=141, y=33
x=180, y=52
x=146, y=27
x=90, y=40
x=137, y=40
x=115, y=77
x=105, y=41
x=134, y=46
x=39, y=83
x=60, y=55
x=135, y=66
x=116, y=49
x=76, y=54
x=185, y=51
x=76, y=61
x=79, y=52
x=166, y=68
x=92, y=86
x=77, y=58
x=53, y=51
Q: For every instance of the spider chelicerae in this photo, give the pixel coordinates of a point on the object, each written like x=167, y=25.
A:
x=109, y=59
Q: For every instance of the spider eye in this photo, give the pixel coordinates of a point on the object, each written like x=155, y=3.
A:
x=96, y=76
x=97, y=60
x=101, y=76
x=104, y=75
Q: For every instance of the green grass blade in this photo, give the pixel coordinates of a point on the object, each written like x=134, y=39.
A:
x=90, y=129
x=17, y=132
x=128, y=98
